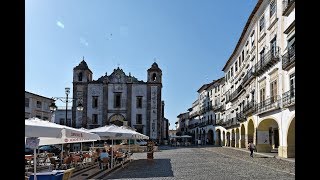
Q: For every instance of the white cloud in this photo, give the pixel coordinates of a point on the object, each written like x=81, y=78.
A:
x=84, y=41
x=59, y=24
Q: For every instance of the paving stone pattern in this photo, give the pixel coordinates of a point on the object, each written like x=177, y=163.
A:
x=203, y=163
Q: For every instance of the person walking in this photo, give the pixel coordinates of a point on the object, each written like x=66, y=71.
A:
x=251, y=147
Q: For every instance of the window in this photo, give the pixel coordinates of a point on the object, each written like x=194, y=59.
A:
x=117, y=100
x=261, y=23
x=252, y=39
x=62, y=121
x=80, y=76
x=236, y=66
x=262, y=55
x=292, y=83
x=138, y=118
x=273, y=91
x=26, y=102
x=262, y=94
x=291, y=44
x=273, y=8
x=273, y=45
x=239, y=62
x=139, y=102
x=154, y=77
x=94, y=101
x=45, y=118
x=242, y=54
x=94, y=118
x=39, y=104
x=231, y=71
x=38, y=116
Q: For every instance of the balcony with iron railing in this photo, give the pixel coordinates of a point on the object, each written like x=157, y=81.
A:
x=248, y=77
x=227, y=97
x=288, y=98
x=240, y=117
x=268, y=105
x=216, y=107
x=236, y=93
x=267, y=60
x=289, y=58
x=223, y=107
x=249, y=108
x=288, y=6
x=231, y=123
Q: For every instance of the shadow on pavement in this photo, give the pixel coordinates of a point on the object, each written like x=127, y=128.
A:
x=143, y=168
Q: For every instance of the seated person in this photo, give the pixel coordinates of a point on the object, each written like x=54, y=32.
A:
x=102, y=155
x=97, y=155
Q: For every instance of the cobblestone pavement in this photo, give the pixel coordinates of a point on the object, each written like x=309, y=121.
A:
x=204, y=163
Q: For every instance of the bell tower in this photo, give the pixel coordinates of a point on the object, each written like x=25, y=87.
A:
x=154, y=74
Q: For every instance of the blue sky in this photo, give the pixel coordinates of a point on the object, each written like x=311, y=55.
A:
x=191, y=41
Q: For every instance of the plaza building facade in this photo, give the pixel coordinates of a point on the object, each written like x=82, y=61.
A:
x=37, y=106
x=119, y=99
x=256, y=101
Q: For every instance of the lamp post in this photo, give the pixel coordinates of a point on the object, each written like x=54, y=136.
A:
x=66, y=100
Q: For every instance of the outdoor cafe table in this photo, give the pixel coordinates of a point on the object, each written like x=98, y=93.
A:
x=53, y=175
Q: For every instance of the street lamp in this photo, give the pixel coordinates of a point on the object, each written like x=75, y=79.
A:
x=65, y=100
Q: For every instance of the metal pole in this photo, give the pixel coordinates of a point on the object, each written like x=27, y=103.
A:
x=61, y=154
x=67, y=108
x=35, y=163
x=112, y=154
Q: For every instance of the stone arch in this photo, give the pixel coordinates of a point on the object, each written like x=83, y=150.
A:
x=268, y=136
x=250, y=131
x=228, y=139
x=218, y=137
x=117, y=119
x=242, y=136
x=291, y=139
x=210, y=137
x=237, y=137
x=233, y=144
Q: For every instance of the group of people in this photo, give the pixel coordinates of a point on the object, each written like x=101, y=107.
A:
x=107, y=154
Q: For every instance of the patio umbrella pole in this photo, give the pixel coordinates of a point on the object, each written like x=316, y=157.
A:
x=35, y=163
x=112, y=154
x=61, y=155
x=81, y=147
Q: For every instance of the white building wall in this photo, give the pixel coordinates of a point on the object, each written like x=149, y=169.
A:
x=139, y=90
x=112, y=88
x=95, y=90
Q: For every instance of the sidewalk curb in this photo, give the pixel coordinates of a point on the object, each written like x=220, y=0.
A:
x=261, y=154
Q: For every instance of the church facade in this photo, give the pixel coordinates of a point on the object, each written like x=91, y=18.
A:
x=119, y=99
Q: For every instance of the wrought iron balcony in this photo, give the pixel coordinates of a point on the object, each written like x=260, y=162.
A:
x=249, y=108
x=236, y=93
x=288, y=98
x=240, y=117
x=203, y=124
x=231, y=123
x=219, y=122
x=248, y=77
x=288, y=6
x=289, y=58
x=190, y=126
x=267, y=61
x=223, y=107
x=216, y=107
x=268, y=105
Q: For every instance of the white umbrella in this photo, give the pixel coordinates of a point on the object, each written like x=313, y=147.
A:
x=52, y=133
x=112, y=132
